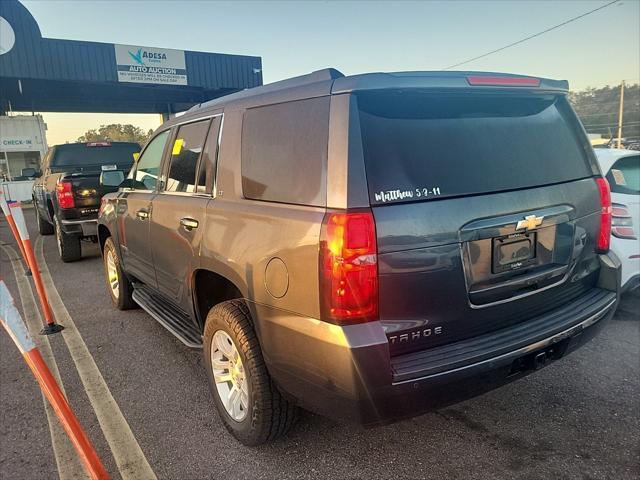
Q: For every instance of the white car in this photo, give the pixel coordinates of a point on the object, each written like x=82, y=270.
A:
x=622, y=169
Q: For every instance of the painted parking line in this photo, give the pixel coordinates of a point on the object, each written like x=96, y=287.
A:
x=128, y=455
x=69, y=467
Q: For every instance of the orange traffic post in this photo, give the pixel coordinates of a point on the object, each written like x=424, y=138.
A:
x=21, y=225
x=12, y=225
x=17, y=330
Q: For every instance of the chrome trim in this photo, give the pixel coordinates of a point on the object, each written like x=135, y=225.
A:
x=214, y=187
x=78, y=222
x=194, y=120
x=568, y=332
x=185, y=194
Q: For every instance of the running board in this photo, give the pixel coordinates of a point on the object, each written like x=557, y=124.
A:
x=167, y=316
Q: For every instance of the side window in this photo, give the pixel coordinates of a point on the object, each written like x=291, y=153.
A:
x=284, y=152
x=207, y=169
x=147, y=168
x=187, y=150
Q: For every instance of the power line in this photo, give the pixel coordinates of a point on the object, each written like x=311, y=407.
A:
x=616, y=83
x=534, y=35
x=595, y=104
x=613, y=124
x=582, y=115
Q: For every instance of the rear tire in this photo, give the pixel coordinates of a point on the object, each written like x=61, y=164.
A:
x=118, y=285
x=44, y=227
x=268, y=415
x=68, y=245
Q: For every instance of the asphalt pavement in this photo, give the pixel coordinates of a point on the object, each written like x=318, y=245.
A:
x=578, y=418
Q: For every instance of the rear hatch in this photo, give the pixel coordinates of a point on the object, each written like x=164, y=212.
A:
x=82, y=164
x=485, y=205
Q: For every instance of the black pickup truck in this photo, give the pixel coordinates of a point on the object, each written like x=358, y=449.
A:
x=67, y=194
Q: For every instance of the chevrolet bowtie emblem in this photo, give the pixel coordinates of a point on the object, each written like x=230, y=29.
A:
x=529, y=223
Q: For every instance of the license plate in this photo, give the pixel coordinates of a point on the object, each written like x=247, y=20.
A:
x=513, y=252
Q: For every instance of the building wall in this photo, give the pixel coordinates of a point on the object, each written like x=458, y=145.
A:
x=23, y=144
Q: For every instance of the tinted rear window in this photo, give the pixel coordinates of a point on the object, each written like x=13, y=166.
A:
x=427, y=146
x=624, y=176
x=79, y=155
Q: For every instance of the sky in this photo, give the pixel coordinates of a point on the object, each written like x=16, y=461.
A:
x=296, y=37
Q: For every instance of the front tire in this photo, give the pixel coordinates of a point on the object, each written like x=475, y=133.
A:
x=251, y=407
x=118, y=285
x=68, y=245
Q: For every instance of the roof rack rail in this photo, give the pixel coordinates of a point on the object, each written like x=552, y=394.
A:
x=324, y=75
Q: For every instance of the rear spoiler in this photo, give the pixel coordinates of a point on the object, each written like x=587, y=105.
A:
x=447, y=80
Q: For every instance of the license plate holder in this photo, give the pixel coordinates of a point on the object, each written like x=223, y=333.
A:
x=513, y=252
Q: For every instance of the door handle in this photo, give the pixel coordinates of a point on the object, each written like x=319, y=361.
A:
x=142, y=214
x=189, y=223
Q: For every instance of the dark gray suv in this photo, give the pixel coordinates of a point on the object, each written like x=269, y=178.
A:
x=366, y=247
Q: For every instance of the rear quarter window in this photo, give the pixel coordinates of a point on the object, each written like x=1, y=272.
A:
x=422, y=146
x=284, y=152
x=624, y=176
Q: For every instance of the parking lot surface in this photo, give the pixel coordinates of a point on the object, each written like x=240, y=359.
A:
x=578, y=418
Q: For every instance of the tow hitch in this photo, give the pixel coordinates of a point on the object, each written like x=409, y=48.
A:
x=540, y=358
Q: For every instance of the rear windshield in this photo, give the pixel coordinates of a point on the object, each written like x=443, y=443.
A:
x=624, y=176
x=80, y=155
x=421, y=146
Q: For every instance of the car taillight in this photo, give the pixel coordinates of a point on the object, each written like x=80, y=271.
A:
x=622, y=222
x=103, y=203
x=348, y=268
x=65, y=194
x=604, y=236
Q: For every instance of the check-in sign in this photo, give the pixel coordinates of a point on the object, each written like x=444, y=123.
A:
x=150, y=65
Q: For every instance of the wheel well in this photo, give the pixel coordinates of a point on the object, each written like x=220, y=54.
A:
x=50, y=208
x=211, y=289
x=103, y=234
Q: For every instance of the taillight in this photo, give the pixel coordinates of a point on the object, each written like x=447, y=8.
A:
x=604, y=236
x=622, y=222
x=500, y=81
x=65, y=194
x=103, y=203
x=348, y=268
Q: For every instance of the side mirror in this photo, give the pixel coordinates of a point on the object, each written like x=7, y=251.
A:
x=111, y=178
x=136, y=156
x=29, y=173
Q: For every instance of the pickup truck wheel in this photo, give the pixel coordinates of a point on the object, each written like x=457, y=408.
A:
x=119, y=286
x=68, y=245
x=44, y=227
x=251, y=407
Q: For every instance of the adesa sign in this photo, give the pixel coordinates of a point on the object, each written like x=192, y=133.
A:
x=150, y=65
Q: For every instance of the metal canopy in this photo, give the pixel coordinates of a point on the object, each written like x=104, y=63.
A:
x=49, y=75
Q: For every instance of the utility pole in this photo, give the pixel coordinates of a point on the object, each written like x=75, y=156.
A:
x=620, y=114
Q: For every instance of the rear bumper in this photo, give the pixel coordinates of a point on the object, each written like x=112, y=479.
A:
x=86, y=228
x=347, y=373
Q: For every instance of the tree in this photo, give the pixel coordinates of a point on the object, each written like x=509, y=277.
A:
x=598, y=110
x=116, y=132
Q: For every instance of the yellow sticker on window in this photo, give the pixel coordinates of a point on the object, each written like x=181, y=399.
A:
x=177, y=146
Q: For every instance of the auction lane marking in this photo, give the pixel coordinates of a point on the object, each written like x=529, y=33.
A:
x=129, y=457
x=69, y=467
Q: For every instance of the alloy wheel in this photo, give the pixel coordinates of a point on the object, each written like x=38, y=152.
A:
x=229, y=376
x=112, y=274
